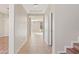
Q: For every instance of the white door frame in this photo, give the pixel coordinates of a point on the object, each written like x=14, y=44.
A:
x=11, y=29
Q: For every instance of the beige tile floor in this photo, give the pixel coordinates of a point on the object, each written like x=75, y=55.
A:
x=35, y=45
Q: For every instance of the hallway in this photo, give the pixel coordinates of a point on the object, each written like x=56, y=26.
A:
x=33, y=23
x=36, y=45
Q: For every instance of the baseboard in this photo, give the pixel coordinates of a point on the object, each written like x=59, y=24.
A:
x=21, y=46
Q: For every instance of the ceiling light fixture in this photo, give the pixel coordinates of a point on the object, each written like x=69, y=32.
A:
x=35, y=5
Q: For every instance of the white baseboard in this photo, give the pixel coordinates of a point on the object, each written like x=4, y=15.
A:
x=21, y=46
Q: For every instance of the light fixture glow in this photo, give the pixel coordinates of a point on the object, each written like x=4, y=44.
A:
x=35, y=5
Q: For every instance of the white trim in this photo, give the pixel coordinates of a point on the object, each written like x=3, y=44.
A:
x=53, y=33
x=11, y=29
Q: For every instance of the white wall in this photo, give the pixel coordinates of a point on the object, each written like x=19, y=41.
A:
x=66, y=25
x=4, y=20
x=6, y=25
x=11, y=29
x=20, y=27
x=1, y=27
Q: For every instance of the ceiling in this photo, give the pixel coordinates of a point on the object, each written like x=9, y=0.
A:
x=35, y=8
x=4, y=8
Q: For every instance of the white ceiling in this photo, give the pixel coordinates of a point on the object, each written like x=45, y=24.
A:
x=35, y=8
x=4, y=8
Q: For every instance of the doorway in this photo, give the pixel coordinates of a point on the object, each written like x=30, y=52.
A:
x=36, y=41
x=32, y=32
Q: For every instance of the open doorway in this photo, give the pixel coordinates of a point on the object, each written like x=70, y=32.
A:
x=32, y=31
x=36, y=41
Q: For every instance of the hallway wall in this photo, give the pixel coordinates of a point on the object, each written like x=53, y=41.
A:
x=66, y=25
x=6, y=25
x=4, y=20
x=20, y=27
x=1, y=26
x=47, y=24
